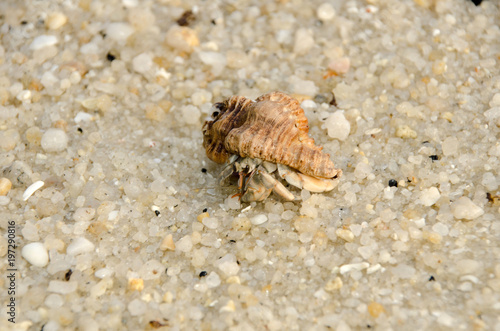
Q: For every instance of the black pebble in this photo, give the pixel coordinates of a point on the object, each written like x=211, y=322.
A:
x=477, y=2
x=203, y=274
x=393, y=183
x=68, y=274
x=205, y=210
x=110, y=57
x=203, y=170
x=431, y=279
x=187, y=18
x=80, y=130
x=433, y=157
x=157, y=212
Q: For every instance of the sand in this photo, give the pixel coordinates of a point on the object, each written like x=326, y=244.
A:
x=115, y=210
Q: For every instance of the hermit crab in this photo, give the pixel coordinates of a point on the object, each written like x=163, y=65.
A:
x=257, y=139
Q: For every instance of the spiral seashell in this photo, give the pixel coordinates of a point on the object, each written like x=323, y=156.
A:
x=273, y=128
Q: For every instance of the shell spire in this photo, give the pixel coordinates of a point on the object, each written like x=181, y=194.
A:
x=273, y=128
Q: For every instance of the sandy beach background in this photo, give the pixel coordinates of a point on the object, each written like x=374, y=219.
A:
x=114, y=207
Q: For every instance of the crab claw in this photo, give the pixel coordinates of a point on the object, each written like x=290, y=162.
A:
x=312, y=184
x=289, y=175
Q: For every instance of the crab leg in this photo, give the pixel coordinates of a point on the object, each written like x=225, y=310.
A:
x=277, y=187
x=241, y=179
x=226, y=173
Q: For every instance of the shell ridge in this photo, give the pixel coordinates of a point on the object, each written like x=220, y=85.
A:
x=273, y=128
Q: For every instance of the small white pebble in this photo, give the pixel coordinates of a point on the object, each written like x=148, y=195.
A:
x=429, y=196
x=338, y=126
x=210, y=222
x=356, y=229
x=374, y=268
x=103, y=273
x=232, y=202
x=369, y=132
x=345, y=234
x=83, y=117
x=362, y=170
x=32, y=189
x=54, y=140
x=325, y=12
x=440, y=228
x=56, y=20
x=489, y=181
x=137, y=307
x=259, y=219
x=389, y=192
x=43, y=41
x=304, y=41
x=185, y=244
x=228, y=265
x=112, y=215
x=216, y=60
x=9, y=139
x=404, y=131
x=90, y=48
x=303, y=87
x=229, y=268
x=420, y=223
x=464, y=208
x=200, y=97
x=212, y=280
x=54, y=301
x=450, y=146
x=182, y=38
x=83, y=214
x=191, y=114
x=340, y=65
x=229, y=307
x=246, y=209
x=36, y=254
x=142, y=63
x=130, y=3
x=79, y=246
x=24, y=95
x=495, y=101
x=119, y=31
x=353, y=267
x=308, y=104
x=49, y=79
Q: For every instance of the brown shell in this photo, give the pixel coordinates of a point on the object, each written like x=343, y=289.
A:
x=273, y=128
